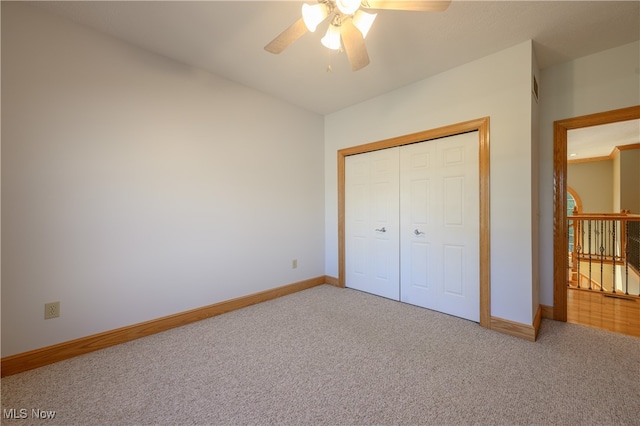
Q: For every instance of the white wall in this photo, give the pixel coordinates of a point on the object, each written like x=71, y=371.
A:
x=596, y=83
x=134, y=187
x=535, y=171
x=498, y=86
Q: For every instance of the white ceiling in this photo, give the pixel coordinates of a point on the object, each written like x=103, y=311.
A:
x=600, y=141
x=227, y=38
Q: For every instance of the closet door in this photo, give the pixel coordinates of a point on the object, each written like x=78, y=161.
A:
x=372, y=222
x=439, y=225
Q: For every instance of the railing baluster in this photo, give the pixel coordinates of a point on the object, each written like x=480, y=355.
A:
x=626, y=257
x=602, y=243
x=609, y=238
x=579, y=249
x=590, y=280
x=613, y=285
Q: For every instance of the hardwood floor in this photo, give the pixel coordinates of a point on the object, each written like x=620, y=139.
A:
x=611, y=312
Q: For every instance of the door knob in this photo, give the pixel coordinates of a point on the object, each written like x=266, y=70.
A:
x=418, y=233
x=381, y=229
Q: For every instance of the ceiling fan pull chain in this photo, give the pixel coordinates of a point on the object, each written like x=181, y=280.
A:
x=331, y=54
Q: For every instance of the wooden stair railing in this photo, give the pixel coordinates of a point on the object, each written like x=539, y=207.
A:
x=604, y=238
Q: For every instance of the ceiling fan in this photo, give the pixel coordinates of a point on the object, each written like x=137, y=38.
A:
x=349, y=24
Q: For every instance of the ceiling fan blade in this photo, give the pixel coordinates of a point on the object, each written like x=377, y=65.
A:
x=354, y=45
x=287, y=37
x=410, y=5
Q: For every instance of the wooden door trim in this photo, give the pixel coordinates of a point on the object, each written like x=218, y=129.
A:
x=480, y=125
x=560, y=243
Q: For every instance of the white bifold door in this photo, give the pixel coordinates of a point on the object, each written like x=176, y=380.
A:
x=372, y=222
x=412, y=224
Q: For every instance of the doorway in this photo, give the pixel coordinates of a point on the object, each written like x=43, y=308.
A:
x=479, y=125
x=560, y=224
x=412, y=224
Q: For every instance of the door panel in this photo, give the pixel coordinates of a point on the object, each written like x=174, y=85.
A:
x=439, y=229
x=418, y=275
x=359, y=262
x=453, y=200
x=419, y=212
x=371, y=222
x=420, y=201
x=453, y=269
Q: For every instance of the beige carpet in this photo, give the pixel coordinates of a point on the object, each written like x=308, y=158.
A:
x=340, y=357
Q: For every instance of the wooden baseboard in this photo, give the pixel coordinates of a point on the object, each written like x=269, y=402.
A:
x=547, y=312
x=516, y=329
x=333, y=281
x=39, y=357
x=536, y=322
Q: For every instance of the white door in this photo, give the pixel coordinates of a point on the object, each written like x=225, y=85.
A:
x=372, y=222
x=439, y=225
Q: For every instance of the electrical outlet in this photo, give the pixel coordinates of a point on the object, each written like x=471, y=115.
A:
x=51, y=310
x=294, y=263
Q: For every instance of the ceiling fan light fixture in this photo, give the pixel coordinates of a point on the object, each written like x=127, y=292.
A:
x=348, y=26
x=331, y=39
x=314, y=14
x=363, y=21
x=348, y=7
